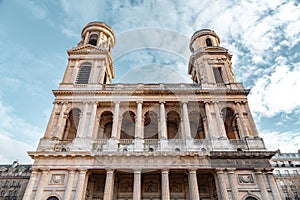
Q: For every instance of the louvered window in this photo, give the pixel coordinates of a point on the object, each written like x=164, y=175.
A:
x=218, y=74
x=83, y=74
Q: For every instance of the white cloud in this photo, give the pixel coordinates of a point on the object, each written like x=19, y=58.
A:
x=285, y=141
x=278, y=92
x=37, y=11
x=18, y=136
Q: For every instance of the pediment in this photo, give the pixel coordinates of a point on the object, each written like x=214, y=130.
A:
x=87, y=49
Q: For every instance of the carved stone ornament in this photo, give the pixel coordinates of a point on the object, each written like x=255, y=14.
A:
x=151, y=187
x=245, y=179
x=57, y=179
x=176, y=187
x=126, y=186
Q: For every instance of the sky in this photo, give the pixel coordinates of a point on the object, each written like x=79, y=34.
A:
x=152, y=47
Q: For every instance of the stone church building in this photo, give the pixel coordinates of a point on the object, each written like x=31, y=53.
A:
x=150, y=141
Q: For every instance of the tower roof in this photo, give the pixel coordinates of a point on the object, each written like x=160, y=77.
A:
x=203, y=32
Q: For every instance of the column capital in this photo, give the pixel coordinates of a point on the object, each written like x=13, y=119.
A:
x=220, y=170
x=185, y=101
x=162, y=102
x=117, y=101
x=137, y=171
x=192, y=170
x=165, y=171
x=258, y=170
x=110, y=171
x=231, y=170
x=82, y=170
x=71, y=171
x=139, y=101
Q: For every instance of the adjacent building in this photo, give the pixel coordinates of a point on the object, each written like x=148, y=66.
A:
x=150, y=141
x=287, y=174
x=13, y=180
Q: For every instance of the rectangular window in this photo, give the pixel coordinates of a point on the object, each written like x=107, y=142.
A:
x=218, y=74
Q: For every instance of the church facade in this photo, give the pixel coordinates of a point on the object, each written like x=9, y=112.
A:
x=180, y=141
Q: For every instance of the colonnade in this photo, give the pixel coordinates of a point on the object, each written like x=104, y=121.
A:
x=39, y=180
x=89, y=121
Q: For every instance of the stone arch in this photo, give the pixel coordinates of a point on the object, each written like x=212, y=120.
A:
x=196, y=125
x=72, y=122
x=105, y=125
x=53, y=197
x=173, y=125
x=230, y=123
x=150, y=125
x=250, y=197
x=93, y=39
x=208, y=42
x=128, y=125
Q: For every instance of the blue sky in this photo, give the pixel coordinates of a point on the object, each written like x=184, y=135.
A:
x=152, y=46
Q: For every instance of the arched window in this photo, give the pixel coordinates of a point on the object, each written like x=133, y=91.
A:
x=208, y=42
x=84, y=73
x=197, y=125
x=150, y=125
x=105, y=126
x=230, y=123
x=93, y=39
x=71, y=124
x=52, y=198
x=128, y=125
x=173, y=125
x=251, y=198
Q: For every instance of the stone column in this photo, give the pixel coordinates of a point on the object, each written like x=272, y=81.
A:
x=186, y=121
x=138, y=123
x=109, y=185
x=137, y=185
x=209, y=121
x=242, y=121
x=165, y=189
x=86, y=39
x=80, y=189
x=163, y=123
x=92, y=120
x=69, y=185
x=30, y=185
x=193, y=185
x=114, y=132
x=262, y=185
x=222, y=184
x=233, y=184
x=220, y=123
x=75, y=71
x=50, y=127
x=273, y=185
x=205, y=127
x=67, y=73
x=102, y=73
x=43, y=181
x=82, y=122
x=61, y=122
x=251, y=121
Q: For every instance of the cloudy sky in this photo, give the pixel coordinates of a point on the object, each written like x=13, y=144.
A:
x=152, y=46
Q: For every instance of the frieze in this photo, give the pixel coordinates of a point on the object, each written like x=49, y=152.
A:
x=245, y=179
x=57, y=179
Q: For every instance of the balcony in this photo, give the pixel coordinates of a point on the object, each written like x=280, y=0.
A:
x=149, y=145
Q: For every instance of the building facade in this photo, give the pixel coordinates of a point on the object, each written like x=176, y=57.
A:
x=13, y=180
x=150, y=141
x=287, y=174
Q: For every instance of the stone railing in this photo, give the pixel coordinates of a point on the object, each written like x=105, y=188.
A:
x=158, y=87
x=103, y=145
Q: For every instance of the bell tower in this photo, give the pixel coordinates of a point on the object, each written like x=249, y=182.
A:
x=91, y=62
x=210, y=65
